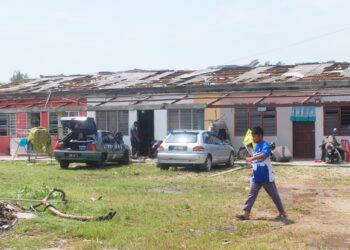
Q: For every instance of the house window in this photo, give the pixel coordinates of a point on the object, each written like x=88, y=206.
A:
x=250, y=118
x=185, y=119
x=53, y=121
x=337, y=117
x=113, y=121
x=7, y=124
x=34, y=120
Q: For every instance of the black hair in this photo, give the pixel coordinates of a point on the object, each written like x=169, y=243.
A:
x=257, y=131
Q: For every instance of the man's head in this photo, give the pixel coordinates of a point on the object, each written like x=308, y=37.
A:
x=136, y=123
x=258, y=134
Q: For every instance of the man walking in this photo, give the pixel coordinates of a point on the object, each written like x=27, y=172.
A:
x=262, y=176
x=135, y=139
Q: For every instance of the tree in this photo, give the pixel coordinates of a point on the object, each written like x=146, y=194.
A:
x=18, y=75
x=267, y=63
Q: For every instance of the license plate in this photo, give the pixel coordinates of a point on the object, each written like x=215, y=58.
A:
x=178, y=148
x=73, y=155
x=82, y=148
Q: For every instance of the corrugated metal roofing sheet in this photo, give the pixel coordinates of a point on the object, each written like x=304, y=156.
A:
x=163, y=78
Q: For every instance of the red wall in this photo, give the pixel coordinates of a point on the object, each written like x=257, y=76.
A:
x=45, y=119
x=21, y=119
x=4, y=145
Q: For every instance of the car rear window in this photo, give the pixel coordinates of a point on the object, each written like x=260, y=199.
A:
x=182, y=137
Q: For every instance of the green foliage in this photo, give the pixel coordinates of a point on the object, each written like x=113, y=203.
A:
x=18, y=75
x=267, y=63
x=37, y=193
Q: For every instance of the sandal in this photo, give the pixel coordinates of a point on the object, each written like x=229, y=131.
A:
x=241, y=217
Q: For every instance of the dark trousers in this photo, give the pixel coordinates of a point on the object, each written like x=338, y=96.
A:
x=271, y=190
x=135, y=147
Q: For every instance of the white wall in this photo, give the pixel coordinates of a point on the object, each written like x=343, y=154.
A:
x=228, y=115
x=160, y=124
x=319, y=130
x=92, y=114
x=284, y=127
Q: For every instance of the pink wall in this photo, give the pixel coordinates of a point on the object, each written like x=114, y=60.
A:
x=4, y=145
x=45, y=119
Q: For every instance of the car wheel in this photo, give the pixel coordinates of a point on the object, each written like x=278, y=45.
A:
x=163, y=166
x=64, y=164
x=207, y=166
x=126, y=157
x=231, y=161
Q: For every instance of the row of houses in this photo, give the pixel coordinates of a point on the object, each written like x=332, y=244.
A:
x=297, y=105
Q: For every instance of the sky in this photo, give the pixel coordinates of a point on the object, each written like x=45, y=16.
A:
x=47, y=37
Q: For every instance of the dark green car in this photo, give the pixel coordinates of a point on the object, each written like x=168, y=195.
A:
x=88, y=145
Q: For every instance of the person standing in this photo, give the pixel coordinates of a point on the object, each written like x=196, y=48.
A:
x=262, y=176
x=135, y=139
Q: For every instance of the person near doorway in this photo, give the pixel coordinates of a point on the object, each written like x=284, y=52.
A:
x=135, y=139
x=262, y=176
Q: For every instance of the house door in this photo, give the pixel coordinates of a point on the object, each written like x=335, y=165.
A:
x=146, y=130
x=304, y=140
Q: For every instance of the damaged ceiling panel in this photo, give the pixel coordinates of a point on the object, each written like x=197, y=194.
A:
x=225, y=75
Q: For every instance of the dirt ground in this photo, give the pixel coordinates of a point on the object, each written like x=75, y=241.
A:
x=319, y=206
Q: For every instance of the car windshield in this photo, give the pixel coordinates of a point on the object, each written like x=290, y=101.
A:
x=182, y=137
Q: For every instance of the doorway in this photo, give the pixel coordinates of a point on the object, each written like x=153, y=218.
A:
x=304, y=140
x=33, y=120
x=146, y=130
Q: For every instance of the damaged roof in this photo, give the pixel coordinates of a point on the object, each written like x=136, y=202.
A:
x=220, y=76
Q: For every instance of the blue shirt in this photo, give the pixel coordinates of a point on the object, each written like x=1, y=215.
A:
x=262, y=168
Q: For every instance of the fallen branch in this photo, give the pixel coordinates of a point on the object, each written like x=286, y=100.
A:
x=45, y=202
x=228, y=171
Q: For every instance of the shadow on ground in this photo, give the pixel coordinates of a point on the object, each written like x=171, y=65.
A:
x=86, y=167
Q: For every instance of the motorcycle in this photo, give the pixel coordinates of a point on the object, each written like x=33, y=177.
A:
x=154, y=148
x=332, y=151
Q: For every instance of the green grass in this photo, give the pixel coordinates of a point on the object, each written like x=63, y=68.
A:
x=156, y=209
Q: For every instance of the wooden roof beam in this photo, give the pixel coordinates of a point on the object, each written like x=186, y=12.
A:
x=218, y=99
x=309, y=97
x=142, y=100
x=179, y=99
x=263, y=98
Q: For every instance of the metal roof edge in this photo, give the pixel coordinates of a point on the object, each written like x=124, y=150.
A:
x=246, y=87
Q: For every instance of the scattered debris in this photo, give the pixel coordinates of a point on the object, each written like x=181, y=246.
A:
x=228, y=171
x=96, y=199
x=8, y=215
x=45, y=202
x=226, y=241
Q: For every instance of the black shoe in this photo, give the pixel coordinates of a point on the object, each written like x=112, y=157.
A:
x=241, y=217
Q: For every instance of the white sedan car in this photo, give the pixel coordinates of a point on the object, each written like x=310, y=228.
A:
x=194, y=147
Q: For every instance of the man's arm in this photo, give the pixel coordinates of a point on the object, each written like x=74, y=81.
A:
x=257, y=157
x=265, y=152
